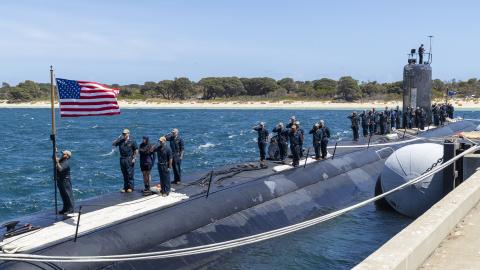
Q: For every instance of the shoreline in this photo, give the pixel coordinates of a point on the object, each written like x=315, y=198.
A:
x=257, y=105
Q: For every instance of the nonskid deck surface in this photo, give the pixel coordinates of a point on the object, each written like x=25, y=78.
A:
x=113, y=208
x=90, y=221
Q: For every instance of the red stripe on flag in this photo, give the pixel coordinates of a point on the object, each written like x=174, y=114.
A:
x=88, y=103
x=79, y=115
x=95, y=97
x=96, y=91
x=81, y=82
x=89, y=109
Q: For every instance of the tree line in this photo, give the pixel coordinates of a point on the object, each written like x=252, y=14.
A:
x=211, y=88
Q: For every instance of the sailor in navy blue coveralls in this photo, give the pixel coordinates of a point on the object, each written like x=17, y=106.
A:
x=63, y=182
x=164, y=158
x=128, y=150
x=177, y=147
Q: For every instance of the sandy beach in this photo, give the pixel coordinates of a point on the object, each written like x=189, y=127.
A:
x=285, y=104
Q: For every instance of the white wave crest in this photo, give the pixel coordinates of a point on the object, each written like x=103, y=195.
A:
x=207, y=145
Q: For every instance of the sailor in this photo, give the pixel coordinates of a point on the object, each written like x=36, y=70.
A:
x=405, y=118
x=450, y=110
x=443, y=114
x=295, y=139
x=316, y=139
x=408, y=117
x=371, y=123
x=177, y=147
x=421, y=51
x=398, y=115
x=128, y=151
x=435, y=113
x=64, y=183
x=147, y=158
x=273, y=148
x=418, y=115
x=377, y=122
x=302, y=136
x=355, y=122
x=292, y=121
x=421, y=118
x=372, y=119
x=387, y=119
x=164, y=163
x=262, y=140
x=324, y=142
x=364, y=118
x=412, y=118
x=393, y=116
x=383, y=123
x=282, y=134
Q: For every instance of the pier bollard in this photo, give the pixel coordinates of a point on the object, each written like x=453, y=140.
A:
x=450, y=148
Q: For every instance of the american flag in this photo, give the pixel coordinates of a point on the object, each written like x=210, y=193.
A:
x=82, y=98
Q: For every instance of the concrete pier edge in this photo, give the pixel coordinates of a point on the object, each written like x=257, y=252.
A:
x=414, y=244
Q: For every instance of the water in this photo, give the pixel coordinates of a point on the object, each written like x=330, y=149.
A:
x=212, y=138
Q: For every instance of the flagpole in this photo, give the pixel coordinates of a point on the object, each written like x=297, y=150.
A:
x=53, y=138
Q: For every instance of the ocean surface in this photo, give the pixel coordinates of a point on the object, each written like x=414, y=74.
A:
x=212, y=138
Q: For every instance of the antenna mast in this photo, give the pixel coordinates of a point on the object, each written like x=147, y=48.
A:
x=430, y=57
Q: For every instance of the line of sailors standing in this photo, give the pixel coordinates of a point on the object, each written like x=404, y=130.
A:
x=383, y=122
x=375, y=122
x=372, y=122
x=294, y=135
x=440, y=112
x=168, y=157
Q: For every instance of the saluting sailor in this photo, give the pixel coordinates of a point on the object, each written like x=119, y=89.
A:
x=262, y=140
x=128, y=151
x=165, y=159
x=177, y=147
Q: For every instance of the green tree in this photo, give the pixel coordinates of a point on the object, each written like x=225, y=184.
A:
x=232, y=86
x=182, y=88
x=372, y=89
x=30, y=88
x=325, y=88
x=212, y=87
x=348, y=88
x=288, y=84
x=259, y=86
x=306, y=89
x=17, y=94
x=149, y=90
x=165, y=89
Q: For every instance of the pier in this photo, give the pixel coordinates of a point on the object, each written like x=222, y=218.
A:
x=444, y=237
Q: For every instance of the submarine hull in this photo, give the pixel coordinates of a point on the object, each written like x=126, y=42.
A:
x=236, y=208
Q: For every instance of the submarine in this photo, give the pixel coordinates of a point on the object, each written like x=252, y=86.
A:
x=241, y=200
x=227, y=203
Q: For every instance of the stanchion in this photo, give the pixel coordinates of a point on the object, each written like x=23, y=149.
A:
x=334, y=150
x=209, y=183
x=78, y=223
x=369, y=138
x=308, y=152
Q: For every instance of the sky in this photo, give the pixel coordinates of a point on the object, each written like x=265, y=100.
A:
x=136, y=41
